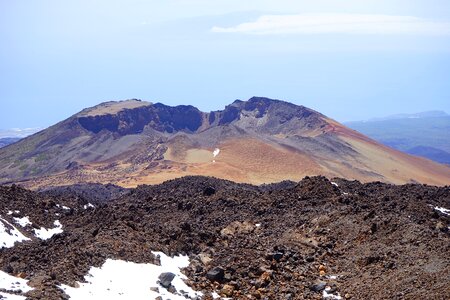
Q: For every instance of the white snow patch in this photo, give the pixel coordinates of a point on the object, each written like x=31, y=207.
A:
x=216, y=152
x=23, y=221
x=44, y=233
x=86, y=206
x=6, y=296
x=334, y=183
x=443, y=210
x=118, y=279
x=10, y=212
x=217, y=296
x=9, y=235
x=332, y=277
x=258, y=225
x=327, y=295
x=63, y=207
x=13, y=284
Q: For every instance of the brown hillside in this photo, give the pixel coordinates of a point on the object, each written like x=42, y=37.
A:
x=260, y=141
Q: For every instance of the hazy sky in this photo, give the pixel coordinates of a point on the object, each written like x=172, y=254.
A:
x=350, y=60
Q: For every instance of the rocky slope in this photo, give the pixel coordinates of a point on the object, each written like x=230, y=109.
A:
x=308, y=240
x=256, y=141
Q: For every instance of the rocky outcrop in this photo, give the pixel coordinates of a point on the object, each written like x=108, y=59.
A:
x=133, y=121
x=186, y=118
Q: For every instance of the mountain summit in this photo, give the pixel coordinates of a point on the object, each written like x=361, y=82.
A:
x=257, y=141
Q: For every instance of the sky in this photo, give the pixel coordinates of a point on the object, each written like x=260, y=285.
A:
x=350, y=60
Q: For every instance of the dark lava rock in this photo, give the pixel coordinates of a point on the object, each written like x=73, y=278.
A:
x=310, y=258
x=442, y=227
x=209, y=191
x=309, y=223
x=216, y=274
x=277, y=256
x=318, y=286
x=165, y=279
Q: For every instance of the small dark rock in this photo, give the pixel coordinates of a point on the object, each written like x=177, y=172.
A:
x=441, y=226
x=389, y=265
x=318, y=286
x=172, y=289
x=209, y=191
x=227, y=277
x=310, y=258
x=277, y=256
x=185, y=226
x=165, y=279
x=8, y=269
x=373, y=228
x=216, y=274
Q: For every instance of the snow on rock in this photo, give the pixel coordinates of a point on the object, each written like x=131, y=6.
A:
x=443, y=210
x=63, y=207
x=23, y=221
x=10, y=212
x=334, y=183
x=118, y=279
x=217, y=296
x=86, y=206
x=9, y=234
x=13, y=284
x=6, y=296
x=326, y=294
x=10, y=283
x=44, y=233
x=216, y=152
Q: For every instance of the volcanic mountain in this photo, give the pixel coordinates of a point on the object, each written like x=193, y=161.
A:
x=256, y=141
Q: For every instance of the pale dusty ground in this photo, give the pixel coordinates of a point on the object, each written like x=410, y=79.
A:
x=115, y=107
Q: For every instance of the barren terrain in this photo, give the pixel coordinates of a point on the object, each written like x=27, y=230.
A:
x=282, y=241
x=258, y=141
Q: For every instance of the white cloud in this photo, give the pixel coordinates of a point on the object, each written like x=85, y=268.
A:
x=18, y=132
x=340, y=24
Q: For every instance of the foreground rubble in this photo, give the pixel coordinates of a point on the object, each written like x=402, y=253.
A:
x=314, y=239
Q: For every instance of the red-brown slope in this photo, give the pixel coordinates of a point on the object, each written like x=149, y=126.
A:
x=260, y=141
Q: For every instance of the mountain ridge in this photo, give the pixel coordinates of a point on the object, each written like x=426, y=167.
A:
x=260, y=140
